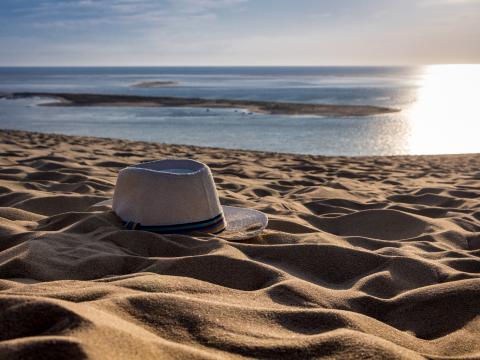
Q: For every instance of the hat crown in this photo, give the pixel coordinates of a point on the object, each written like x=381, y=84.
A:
x=166, y=192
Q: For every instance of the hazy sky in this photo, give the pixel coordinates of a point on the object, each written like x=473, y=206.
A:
x=239, y=32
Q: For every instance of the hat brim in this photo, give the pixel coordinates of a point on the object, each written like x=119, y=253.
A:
x=242, y=223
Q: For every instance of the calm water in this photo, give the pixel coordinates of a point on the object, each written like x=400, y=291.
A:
x=440, y=107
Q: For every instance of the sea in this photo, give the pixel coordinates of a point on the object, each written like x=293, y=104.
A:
x=439, y=107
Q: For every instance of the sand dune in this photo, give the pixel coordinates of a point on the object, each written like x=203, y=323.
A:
x=363, y=257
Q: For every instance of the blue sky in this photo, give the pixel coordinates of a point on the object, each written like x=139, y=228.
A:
x=239, y=32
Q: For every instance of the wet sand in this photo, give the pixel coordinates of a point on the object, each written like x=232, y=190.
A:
x=374, y=257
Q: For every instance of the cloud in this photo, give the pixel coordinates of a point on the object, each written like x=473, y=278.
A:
x=73, y=14
x=428, y=3
x=209, y=32
x=195, y=6
x=113, y=31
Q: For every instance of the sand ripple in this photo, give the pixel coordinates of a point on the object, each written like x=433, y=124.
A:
x=363, y=257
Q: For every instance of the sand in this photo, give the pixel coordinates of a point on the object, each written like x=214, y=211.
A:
x=265, y=107
x=374, y=257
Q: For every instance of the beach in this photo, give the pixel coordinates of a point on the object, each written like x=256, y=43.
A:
x=363, y=257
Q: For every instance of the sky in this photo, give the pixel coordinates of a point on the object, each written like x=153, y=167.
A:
x=238, y=32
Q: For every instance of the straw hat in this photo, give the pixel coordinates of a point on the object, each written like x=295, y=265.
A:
x=179, y=196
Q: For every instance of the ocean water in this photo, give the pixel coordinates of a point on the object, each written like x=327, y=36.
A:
x=439, y=107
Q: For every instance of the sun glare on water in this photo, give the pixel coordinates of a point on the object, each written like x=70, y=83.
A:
x=445, y=118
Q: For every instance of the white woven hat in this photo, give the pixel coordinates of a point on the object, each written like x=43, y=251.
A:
x=179, y=196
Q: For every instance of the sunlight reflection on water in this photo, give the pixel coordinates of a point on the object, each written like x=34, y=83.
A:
x=446, y=116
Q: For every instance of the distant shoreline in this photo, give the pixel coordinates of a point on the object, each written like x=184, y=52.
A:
x=266, y=107
x=155, y=84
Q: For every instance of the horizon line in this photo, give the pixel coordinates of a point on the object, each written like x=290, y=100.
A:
x=231, y=66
